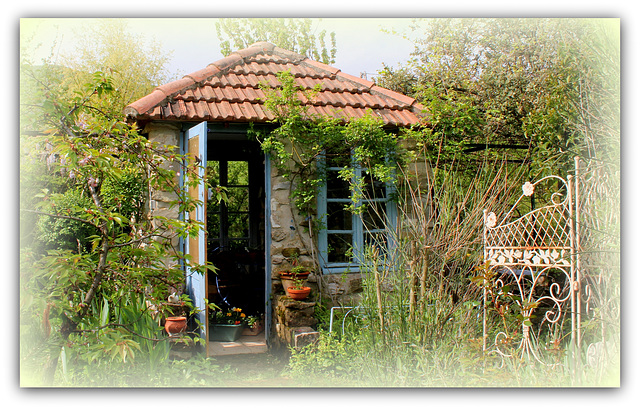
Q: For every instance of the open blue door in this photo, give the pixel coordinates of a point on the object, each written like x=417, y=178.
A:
x=195, y=147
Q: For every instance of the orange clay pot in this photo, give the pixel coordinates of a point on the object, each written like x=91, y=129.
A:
x=175, y=325
x=299, y=294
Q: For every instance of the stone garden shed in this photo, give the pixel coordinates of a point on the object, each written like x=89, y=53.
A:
x=253, y=236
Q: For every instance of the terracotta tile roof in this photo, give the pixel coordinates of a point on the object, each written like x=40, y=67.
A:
x=228, y=90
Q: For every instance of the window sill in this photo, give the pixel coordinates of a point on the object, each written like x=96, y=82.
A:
x=340, y=268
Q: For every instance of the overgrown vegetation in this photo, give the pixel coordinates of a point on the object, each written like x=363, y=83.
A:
x=95, y=268
x=420, y=319
x=293, y=34
x=505, y=82
x=303, y=142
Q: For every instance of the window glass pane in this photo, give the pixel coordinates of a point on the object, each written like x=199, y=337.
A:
x=238, y=199
x=375, y=241
x=213, y=173
x=213, y=223
x=373, y=215
x=337, y=188
x=238, y=225
x=238, y=173
x=238, y=245
x=213, y=247
x=373, y=188
x=339, y=247
x=337, y=217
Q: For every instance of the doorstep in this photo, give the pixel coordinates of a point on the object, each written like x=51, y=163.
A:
x=246, y=344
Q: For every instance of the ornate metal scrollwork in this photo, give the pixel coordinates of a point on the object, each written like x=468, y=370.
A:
x=533, y=260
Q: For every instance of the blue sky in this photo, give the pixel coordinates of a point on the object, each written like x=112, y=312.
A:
x=361, y=44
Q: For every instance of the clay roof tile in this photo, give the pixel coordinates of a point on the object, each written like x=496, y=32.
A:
x=247, y=53
x=203, y=74
x=360, y=81
x=228, y=62
x=213, y=110
x=226, y=112
x=318, y=65
x=391, y=94
x=175, y=87
x=145, y=103
x=229, y=90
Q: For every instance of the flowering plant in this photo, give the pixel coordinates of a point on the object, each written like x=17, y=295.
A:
x=491, y=220
x=297, y=270
x=233, y=316
x=253, y=321
x=527, y=189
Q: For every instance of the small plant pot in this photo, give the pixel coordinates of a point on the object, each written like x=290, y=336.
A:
x=175, y=325
x=289, y=275
x=255, y=330
x=299, y=294
x=226, y=332
x=287, y=278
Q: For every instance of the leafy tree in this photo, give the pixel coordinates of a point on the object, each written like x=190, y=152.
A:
x=136, y=64
x=66, y=290
x=91, y=258
x=509, y=82
x=296, y=35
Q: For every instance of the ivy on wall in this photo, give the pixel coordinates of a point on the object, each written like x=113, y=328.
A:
x=301, y=138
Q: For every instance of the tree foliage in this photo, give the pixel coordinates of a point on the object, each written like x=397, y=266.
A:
x=297, y=35
x=501, y=81
x=94, y=263
x=136, y=64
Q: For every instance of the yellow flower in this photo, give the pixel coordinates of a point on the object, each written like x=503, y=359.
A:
x=228, y=314
x=242, y=315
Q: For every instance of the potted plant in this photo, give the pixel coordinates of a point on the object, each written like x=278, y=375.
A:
x=253, y=326
x=297, y=272
x=174, y=314
x=298, y=291
x=227, y=325
x=175, y=325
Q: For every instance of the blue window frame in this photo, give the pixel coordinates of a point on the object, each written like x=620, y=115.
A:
x=346, y=234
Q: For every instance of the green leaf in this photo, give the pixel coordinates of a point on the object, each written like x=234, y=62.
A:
x=104, y=316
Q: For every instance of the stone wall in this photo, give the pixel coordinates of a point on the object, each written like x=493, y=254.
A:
x=159, y=203
x=290, y=241
x=289, y=237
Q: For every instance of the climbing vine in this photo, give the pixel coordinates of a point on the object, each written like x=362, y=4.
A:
x=302, y=143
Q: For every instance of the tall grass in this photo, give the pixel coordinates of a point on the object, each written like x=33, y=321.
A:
x=429, y=312
x=419, y=322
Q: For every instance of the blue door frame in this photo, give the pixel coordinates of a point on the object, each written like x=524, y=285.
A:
x=196, y=285
x=267, y=250
x=195, y=143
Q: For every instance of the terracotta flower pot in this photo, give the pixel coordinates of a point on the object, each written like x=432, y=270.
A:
x=299, y=294
x=287, y=278
x=289, y=275
x=175, y=325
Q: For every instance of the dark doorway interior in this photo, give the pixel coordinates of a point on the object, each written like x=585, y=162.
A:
x=235, y=227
